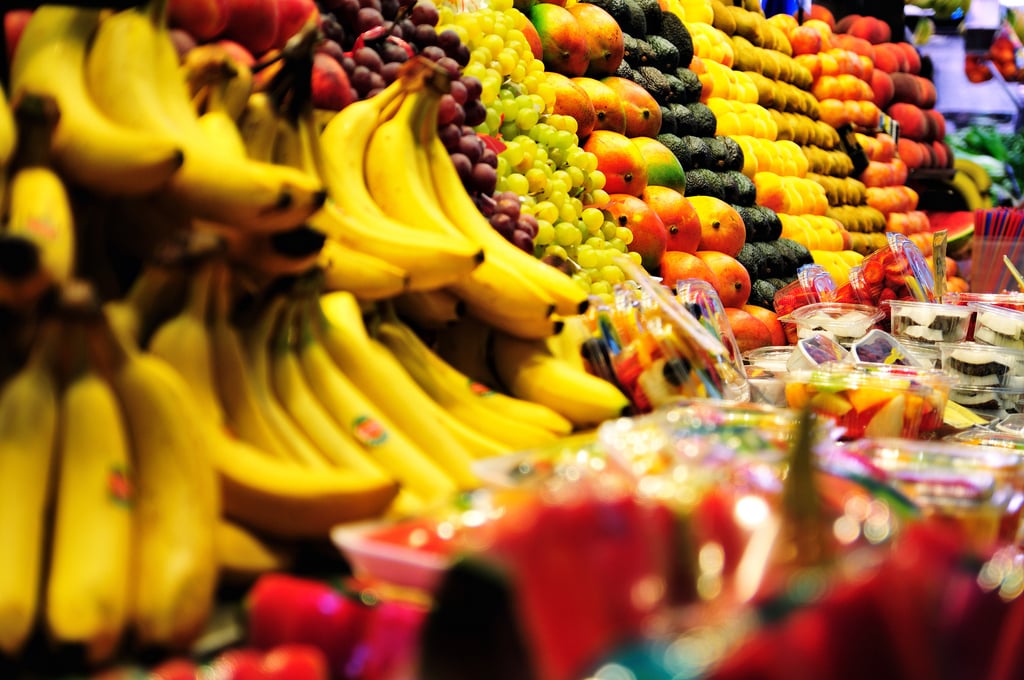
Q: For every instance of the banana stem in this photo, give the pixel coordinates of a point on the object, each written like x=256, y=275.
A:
x=259, y=335
x=198, y=303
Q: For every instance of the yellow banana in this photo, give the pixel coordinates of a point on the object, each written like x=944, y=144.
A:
x=267, y=256
x=38, y=207
x=366, y=276
x=90, y=564
x=177, y=502
x=282, y=498
x=8, y=131
x=298, y=400
x=28, y=430
x=378, y=375
x=355, y=414
x=354, y=218
x=88, y=147
x=568, y=345
x=297, y=441
x=569, y=297
x=244, y=556
x=465, y=346
x=217, y=181
x=530, y=372
x=978, y=174
x=258, y=127
x=500, y=297
x=216, y=80
x=454, y=395
x=430, y=309
x=246, y=415
x=184, y=342
x=156, y=291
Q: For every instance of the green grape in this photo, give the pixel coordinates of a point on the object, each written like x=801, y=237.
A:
x=517, y=183
x=566, y=234
x=593, y=218
x=545, y=232
x=612, y=274
x=608, y=230
x=537, y=179
x=567, y=212
x=624, y=234
x=555, y=250
x=526, y=118
x=586, y=256
x=546, y=210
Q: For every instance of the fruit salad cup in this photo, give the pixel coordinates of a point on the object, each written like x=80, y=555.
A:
x=1007, y=300
x=843, y=322
x=872, y=403
x=928, y=321
x=813, y=284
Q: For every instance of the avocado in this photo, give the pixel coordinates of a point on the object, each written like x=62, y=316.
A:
x=704, y=182
x=637, y=52
x=674, y=144
x=733, y=154
x=617, y=8
x=652, y=15
x=697, y=151
x=694, y=88
x=796, y=252
x=772, y=263
x=666, y=56
x=718, y=152
x=740, y=189
x=762, y=223
x=654, y=82
x=678, y=89
x=673, y=30
x=635, y=23
x=705, y=121
x=668, y=122
x=762, y=294
x=778, y=282
x=684, y=119
x=625, y=71
x=750, y=261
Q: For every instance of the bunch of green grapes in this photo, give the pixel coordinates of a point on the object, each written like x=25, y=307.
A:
x=557, y=182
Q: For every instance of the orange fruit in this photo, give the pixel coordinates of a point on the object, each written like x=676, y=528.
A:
x=572, y=100
x=732, y=281
x=771, y=320
x=563, y=39
x=679, y=266
x=604, y=38
x=649, y=233
x=643, y=114
x=721, y=227
x=620, y=160
x=750, y=332
x=677, y=214
x=610, y=112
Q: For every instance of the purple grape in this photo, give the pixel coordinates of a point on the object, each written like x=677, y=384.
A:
x=522, y=240
x=458, y=91
x=424, y=12
x=507, y=206
x=373, y=92
x=448, y=40
x=389, y=8
x=389, y=71
x=396, y=31
x=432, y=52
x=485, y=204
x=463, y=166
x=528, y=223
x=377, y=81
x=375, y=4
x=346, y=11
x=408, y=28
x=461, y=55
x=368, y=18
x=332, y=48
x=474, y=88
x=485, y=178
x=393, y=52
x=471, y=147
x=424, y=36
x=450, y=136
x=450, y=65
x=475, y=112
x=360, y=79
x=349, y=64
x=332, y=28
x=503, y=224
x=488, y=157
x=368, y=57
x=449, y=112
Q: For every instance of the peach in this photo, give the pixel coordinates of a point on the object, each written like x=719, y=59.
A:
x=330, y=87
x=292, y=16
x=943, y=156
x=912, y=56
x=871, y=29
x=886, y=59
x=805, y=40
x=913, y=123
x=253, y=24
x=204, y=19
x=937, y=123
x=911, y=153
x=822, y=13
x=843, y=25
x=882, y=88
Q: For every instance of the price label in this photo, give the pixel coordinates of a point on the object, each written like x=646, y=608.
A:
x=849, y=144
x=889, y=126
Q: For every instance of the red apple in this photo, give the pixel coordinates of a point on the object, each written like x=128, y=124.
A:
x=14, y=24
x=203, y=19
x=253, y=24
x=292, y=16
x=331, y=88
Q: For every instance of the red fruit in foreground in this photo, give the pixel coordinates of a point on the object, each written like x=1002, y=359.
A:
x=253, y=23
x=292, y=16
x=14, y=25
x=295, y=662
x=203, y=19
x=331, y=88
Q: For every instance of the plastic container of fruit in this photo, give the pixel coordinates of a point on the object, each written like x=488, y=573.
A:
x=928, y=321
x=897, y=271
x=998, y=325
x=766, y=386
x=982, y=435
x=1014, y=300
x=924, y=353
x=878, y=347
x=413, y=554
x=885, y=401
x=812, y=285
x=988, y=402
x=845, y=323
x=979, y=487
x=771, y=358
x=814, y=351
x=975, y=364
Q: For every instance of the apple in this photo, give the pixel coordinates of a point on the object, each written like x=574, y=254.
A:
x=203, y=19
x=14, y=24
x=331, y=88
x=292, y=16
x=253, y=24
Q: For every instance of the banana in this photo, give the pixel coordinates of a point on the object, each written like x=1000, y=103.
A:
x=156, y=291
x=377, y=374
x=88, y=147
x=530, y=372
x=268, y=255
x=968, y=191
x=430, y=309
x=568, y=345
x=978, y=174
x=366, y=276
x=354, y=413
x=454, y=394
x=87, y=589
x=258, y=127
x=177, y=502
x=465, y=346
x=243, y=556
x=354, y=217
x=39, y=208
x=184, y=342
x=500, y=297
x=28, y=430
x=284, y=499
x=216, y=80
x=217, y=181
x=8, y=133
x=569, y=297
x=294, y=393
x=257, y=341
x=246, y=414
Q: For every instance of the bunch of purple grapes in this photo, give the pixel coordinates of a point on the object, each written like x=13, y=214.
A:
x=502, y=211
